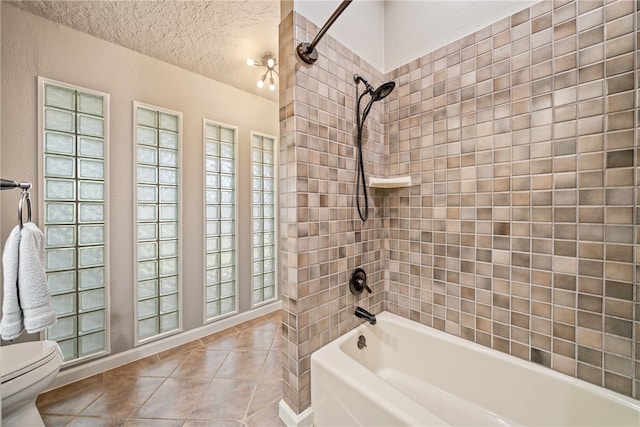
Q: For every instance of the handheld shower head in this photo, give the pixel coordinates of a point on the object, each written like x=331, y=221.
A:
x=376, y=95
x=383, y=91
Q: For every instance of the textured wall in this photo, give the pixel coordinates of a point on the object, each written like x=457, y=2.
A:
x=60, y=53
x=323, y=239
x=522, y=232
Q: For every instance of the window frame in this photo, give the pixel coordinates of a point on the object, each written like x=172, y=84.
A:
x=41, y=82
x=276, y=218
x=137, y=340
x=236, y=130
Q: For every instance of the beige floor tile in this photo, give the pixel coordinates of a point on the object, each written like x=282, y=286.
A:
x=56, y=420
x=225, y=399
x=228, y=379
x=212, y=423
x=174, y=399
x=154, y=367
x=224, y=340
x=254, y=339
x=95, y=422
x=272, y=366
x=181, y=349
x=242, y=364
x=73, y=398
x=266, y=417
x=269, y=322
x=133, y=368
x=151, y=423
x=266, y=393
x=123, y=397
x=278, y=343
x=201, y=364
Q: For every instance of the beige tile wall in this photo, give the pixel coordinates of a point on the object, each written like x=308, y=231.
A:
x=323, y=239
x=522, y=232
x=522, y=235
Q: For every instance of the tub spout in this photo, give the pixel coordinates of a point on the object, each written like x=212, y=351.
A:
x=364, y=314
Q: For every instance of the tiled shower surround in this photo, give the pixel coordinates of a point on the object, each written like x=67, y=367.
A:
x=521, y=229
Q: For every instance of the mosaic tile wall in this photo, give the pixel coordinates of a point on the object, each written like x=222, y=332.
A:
x=520, y=231
x=522, y=234
x=323, y=239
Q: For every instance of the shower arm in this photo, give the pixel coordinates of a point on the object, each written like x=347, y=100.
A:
x=307, y=51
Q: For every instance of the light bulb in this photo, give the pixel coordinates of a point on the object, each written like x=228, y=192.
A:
x=261, y=81
x=272, y=85
x=251, y=62
x=271, y=62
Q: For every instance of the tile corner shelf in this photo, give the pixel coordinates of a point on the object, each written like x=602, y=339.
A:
x=396, y=182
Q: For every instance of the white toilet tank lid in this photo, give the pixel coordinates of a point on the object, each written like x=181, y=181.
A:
x=23, y=357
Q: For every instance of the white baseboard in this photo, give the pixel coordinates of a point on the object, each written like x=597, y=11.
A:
x=291, y=419
x=97, y=366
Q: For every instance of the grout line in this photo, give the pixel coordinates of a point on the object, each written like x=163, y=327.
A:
x=197, y=401
x=164, y=378
x=150, y=395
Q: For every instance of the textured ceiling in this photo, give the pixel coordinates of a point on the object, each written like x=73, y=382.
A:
x=212, y=38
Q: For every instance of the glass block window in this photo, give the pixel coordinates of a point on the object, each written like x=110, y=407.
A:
x=157, y=192
x=264, y=218
x=74, y=125
x=220, y=189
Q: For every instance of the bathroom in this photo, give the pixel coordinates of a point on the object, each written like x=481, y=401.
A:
x=66, y=57
x=520, y=231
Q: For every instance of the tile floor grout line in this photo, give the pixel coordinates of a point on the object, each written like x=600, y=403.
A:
x=85, y=406
x=253, y=394
x=260, y=379
x=168, y=376
x=215, y=376
x=246, y=411
x=255, y=330
x=204, y=389
x=245, y=419
x=150, y=395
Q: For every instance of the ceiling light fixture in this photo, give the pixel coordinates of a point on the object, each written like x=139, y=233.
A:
x=267, y=60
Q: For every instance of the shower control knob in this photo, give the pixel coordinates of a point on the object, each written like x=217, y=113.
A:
x=358, y=282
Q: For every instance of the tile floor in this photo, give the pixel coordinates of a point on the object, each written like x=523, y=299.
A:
x=231, y=378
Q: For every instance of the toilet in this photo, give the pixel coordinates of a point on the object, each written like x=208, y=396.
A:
x=27, y=370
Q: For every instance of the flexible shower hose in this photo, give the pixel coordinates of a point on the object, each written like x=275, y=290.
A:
x=360, y=181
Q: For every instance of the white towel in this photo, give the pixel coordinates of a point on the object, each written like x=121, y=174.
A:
x=11, y=325
x=35, y=299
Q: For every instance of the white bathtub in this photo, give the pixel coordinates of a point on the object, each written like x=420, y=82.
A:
x=410, y=374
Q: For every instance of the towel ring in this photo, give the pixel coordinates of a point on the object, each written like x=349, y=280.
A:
x=24, y=196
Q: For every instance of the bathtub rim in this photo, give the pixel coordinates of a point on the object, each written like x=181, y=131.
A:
x=387, y=316
x=527, y=364
x=410, y=412
x=534, y=368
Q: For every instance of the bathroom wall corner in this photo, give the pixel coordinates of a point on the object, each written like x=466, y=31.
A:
x=291, y=419
x=524, y=137
x=323, y=239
